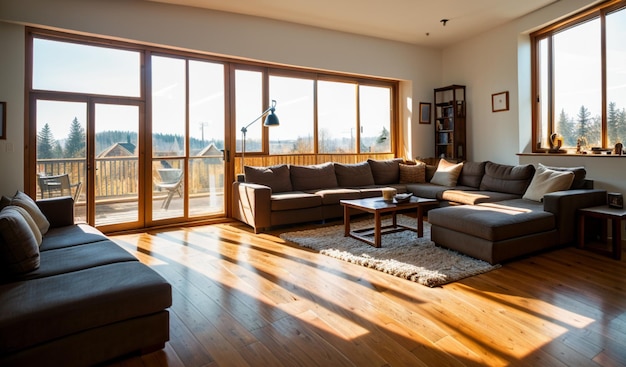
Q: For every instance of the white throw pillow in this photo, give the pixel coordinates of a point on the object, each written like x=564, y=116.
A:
x=447, y=173
x=25, y=201
x=546, y=181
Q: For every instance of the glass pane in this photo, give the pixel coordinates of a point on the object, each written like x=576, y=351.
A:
x=61, y=142
x=168, y=106
x=375, y=116
x=294, y=107
x=248, y=107
x=167, y=188
x=616, y=77
x=543, y=115
x=72, y=67
x=336, y=117
x=206, y=118
x=117, y=164
x=578, y=84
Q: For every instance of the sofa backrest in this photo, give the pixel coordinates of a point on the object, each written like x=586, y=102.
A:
x=506, y=178
x=385, y=172
x=472, y=174
x=275, y=177
x=318, y=176
x=354, y=175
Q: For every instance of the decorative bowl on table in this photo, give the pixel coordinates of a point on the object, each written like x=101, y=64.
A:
x=403, y=198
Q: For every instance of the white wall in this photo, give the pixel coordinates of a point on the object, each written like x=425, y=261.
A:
x=12, y=92
x=495, y=61
x=499, y=60
x=215, y=33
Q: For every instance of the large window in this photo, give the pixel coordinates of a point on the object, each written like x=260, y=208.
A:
x=148, y=135
x=580, y=83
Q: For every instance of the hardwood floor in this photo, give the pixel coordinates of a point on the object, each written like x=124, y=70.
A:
x=252, y=300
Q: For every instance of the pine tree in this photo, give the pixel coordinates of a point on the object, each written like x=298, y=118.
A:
x=45, y=143
x=612, y=124
x=75, y=145
x=583, y=123
x=565, y=128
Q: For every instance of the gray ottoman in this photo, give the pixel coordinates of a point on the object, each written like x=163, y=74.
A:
x=494, y=232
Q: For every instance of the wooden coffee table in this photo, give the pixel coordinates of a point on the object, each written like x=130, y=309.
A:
x=378, y=207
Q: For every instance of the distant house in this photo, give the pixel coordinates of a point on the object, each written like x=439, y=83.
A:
x=211, y=151
x=119, y=150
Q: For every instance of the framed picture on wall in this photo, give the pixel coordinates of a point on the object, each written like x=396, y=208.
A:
x=424, y=113
x=500, y=102
x=3, y=120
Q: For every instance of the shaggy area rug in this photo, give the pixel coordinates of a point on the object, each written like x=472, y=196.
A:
x=402, y=254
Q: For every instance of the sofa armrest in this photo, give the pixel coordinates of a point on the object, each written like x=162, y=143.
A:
x=565, y=204
x=59, y=211
x=252, y=204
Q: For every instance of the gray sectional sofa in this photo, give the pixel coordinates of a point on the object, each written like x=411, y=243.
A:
x=77, y=299
x=484, y=208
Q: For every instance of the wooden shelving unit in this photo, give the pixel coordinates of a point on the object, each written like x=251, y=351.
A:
x=450, y=110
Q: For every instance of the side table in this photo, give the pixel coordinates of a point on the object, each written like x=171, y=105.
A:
x=603, y=212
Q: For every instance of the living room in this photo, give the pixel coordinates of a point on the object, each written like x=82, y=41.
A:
x=494, y=61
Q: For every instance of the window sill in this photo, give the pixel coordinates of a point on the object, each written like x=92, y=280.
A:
x=546, y=154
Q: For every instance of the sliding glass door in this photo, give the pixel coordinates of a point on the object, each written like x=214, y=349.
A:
x=188, y=141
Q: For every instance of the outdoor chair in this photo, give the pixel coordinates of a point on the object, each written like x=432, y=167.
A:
x=58, y=185
x=171, y=181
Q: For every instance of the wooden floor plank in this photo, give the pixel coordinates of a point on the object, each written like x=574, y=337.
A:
x=242, y=299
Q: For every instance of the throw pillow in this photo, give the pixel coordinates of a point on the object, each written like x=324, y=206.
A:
x=506, y=178
x=19, y=251
x=320, y=176
x=580, y=173
x=354, y=175
x=412, y=173
x=447, y=173
x=471, y=174
x=545, y=181
x=275, y=177
x=30, y=221
x=385, y=172
x=23, y=200
x=4, y=201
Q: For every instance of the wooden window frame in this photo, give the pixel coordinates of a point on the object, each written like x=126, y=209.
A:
x=597, y=11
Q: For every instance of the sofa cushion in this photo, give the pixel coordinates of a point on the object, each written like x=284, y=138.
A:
x=447, y=173
x=471, y=174
x=19, y=250
x=354, y=175
x=333, y=196
x=320, y=176
x=546, y=181
x=506, y=178
x=25, y=201
x=385, y=171
x=412, y=173
x=68, y=236
x=275, y=177
x=294, y=200
x=580, y=173
x=74, y=258
x=494, y=221
x=48, y=308
x=426, y=190
x=474, y=197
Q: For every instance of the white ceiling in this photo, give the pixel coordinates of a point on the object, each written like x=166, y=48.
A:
x=411, y=21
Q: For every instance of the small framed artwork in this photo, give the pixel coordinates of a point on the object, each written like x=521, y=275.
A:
x=3, y=120
x=424, y=113
x=500, y=102
x=615, y=200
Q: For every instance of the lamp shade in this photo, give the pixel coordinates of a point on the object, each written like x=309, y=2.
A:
x=271, y=120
